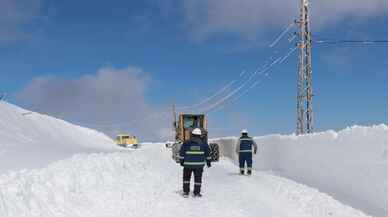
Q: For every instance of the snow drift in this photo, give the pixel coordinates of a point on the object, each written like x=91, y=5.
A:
x=32, y=140
x=351, y=164
x=147, y=183
x=85, y=183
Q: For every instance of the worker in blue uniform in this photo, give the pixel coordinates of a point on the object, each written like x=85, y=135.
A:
x=194, y=154
x=245, y=148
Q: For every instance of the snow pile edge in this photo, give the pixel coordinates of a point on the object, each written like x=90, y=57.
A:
x=350, y=165
x=31, y=140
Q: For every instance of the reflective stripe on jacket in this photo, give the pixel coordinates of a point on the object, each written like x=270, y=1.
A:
x=246, y=145
x=194, y=153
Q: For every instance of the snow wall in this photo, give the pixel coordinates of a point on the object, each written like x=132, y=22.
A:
x=351, y=165
x=30, y=140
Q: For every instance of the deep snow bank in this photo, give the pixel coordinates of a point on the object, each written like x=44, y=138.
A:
x=351, y=165
x=31, y=140
x=147, y=183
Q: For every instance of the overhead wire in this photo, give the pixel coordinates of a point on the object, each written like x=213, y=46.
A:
x=291, y=39
x=283, y=59
x=222, y=91
x=219, y=92
x=225, y=93
x=292, y=50
x=278, y=60
x=237, y=89
x=242, y=73
x=281, y=35
x=359, y=42
x=118, y=125
x=239, y=96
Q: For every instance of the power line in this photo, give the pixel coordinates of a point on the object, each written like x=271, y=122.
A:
x=226, y=95
x=217, y=93
x=263, y=71
x=236, y=90
x=224, y=91
x=259, y=71
x=352, y=42
x=291, y=39
x=281, y=35
x=292, y=50
x=239, y=96
x=264, y=68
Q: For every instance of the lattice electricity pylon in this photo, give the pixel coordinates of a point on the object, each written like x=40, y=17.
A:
x=305, y=121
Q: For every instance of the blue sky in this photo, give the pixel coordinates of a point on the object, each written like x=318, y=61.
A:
x=183, y=51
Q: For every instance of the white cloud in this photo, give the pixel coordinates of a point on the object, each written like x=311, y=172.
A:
x=111, y=100
x=15, y=15
x=250, y=18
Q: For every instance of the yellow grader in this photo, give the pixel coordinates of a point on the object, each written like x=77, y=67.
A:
x=184, y=126
x=127, y=141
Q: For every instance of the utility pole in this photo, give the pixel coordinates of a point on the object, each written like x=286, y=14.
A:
x=174, y=119
x=305, y=118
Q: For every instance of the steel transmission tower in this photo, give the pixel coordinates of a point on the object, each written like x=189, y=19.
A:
x=305, y=121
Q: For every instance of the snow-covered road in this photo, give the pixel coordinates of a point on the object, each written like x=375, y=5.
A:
x=147, y=183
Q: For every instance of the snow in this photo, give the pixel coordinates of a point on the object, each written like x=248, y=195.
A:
x=147, y=183
x=350, y=165
x=31, y=140
x=51, y=168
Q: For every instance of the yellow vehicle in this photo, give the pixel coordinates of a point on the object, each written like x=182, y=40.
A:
x=184, y=126
x=127, y=141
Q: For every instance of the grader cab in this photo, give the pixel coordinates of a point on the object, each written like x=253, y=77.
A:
x=127, y=141
x=184, y=126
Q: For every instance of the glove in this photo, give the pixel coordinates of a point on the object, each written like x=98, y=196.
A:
x=182, y=163
x=255, y=151
x=208, y=164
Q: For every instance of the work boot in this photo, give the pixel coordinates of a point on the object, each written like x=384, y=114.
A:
x=249, y=171
x=242, y=172
x=185, y=194
x=198, y=195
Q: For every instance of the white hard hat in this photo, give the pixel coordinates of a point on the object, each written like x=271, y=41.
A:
x=197, y=132
x=244, y=131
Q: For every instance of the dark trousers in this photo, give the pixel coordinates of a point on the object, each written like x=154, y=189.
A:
x=197, y=179
x=245, y=158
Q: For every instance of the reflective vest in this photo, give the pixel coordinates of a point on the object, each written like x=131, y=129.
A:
x=194, y=155
x=246, y=144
